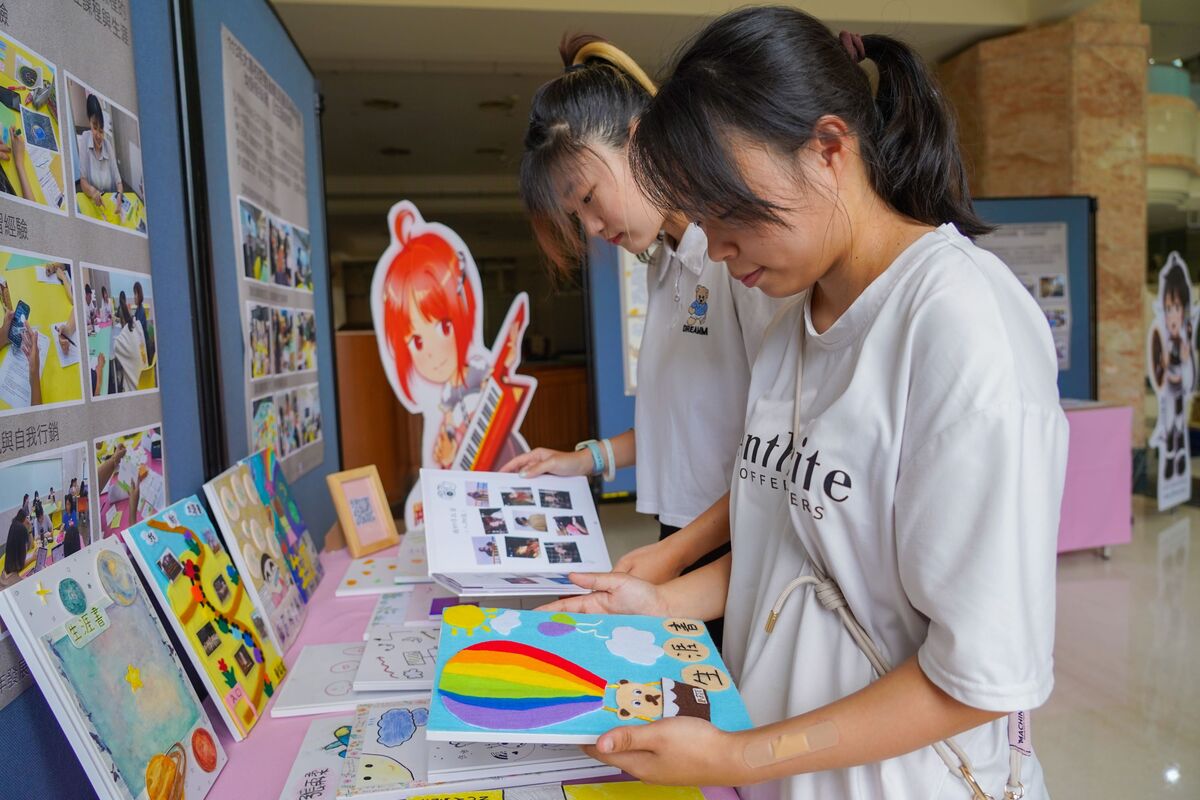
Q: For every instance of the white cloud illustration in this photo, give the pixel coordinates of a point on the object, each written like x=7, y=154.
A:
x=507, y=622
x=634, y=645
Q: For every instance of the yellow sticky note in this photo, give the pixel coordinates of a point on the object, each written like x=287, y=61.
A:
x=631, y=790
x=495, y=794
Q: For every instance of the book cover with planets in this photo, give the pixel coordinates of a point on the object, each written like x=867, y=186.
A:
x=299, y=551
x=104, y=662
x=536, y=676
x=207, y=602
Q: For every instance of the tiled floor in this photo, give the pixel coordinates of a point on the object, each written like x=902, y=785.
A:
x=1124, y=719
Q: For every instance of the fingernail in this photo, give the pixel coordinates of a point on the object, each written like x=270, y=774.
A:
x=605, y=745
x=523, y=474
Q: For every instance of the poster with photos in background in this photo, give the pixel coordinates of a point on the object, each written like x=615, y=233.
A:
x=72, y=193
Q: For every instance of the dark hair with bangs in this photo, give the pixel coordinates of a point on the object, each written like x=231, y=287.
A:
x=593, y=103
x=768, y=74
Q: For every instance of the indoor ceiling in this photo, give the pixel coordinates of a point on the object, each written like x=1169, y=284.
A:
x=429, y=100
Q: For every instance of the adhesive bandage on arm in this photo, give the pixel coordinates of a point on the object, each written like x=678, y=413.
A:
x=784, y=746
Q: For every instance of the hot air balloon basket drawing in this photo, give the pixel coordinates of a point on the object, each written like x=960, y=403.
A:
x=506, y=675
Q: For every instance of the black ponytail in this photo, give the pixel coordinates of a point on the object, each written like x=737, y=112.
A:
x=768, y=74
x=594, y=102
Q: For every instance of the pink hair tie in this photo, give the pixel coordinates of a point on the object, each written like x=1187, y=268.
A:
x=854, y=46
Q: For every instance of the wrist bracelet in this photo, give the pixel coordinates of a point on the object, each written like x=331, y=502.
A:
x=610, y=471
x=593, y=447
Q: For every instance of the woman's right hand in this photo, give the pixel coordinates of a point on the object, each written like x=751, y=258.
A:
x=544, y=461
x=612, y=593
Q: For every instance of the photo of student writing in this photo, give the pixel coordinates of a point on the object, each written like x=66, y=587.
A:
x=39, y=340
x=894, y=507
x=31, y=160
x=694, y=369
x=121, y=331
x=42, y=530
x=108, y=161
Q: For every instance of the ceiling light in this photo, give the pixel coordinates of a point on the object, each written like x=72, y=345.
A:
x=381, y=104
x=500, y=104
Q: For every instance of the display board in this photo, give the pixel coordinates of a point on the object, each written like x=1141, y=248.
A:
x=612, y=407
x=80, y=342
x=1049, y=242
x=254, y=125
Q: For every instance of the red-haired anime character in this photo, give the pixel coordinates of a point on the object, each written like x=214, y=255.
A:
x=427, y=307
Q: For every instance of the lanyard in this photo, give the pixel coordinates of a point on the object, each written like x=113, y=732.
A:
x=830, y=596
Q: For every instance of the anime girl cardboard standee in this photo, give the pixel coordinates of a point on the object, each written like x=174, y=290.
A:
x=428, y=311
x=1172, y=372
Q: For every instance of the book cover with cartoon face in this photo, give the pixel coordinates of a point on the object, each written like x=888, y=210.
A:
x=536, y=676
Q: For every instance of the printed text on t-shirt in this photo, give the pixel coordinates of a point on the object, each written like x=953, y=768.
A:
x=798, y=472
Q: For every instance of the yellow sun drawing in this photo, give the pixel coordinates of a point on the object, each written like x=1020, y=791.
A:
x=468, y=618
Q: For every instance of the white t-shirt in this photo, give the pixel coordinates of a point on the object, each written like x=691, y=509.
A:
x=100, y=170
x=702, y=331
x=928, y=480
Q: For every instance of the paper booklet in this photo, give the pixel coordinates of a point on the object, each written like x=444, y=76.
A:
x=205, y=599
x=461, y=761
x=108, y=670
x=535, y=676
x=376, y=574
x=411, y=559
x=299, y=550
x=388, y=757
x=322, y=681
x=249, y=530
x=398, y=661
x=492, y=533
x=389, y=614
x=318, y=765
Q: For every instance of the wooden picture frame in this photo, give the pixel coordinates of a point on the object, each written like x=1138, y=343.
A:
x=363, y=510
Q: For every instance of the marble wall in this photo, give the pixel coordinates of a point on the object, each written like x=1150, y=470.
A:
x=1061, y=109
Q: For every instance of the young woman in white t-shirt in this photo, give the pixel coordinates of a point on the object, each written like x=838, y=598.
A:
x=702, y=328
x=919, y=463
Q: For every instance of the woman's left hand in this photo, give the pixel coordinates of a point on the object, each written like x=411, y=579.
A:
x=681, y=751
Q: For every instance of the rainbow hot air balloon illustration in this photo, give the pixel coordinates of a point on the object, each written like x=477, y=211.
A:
x=507, y=685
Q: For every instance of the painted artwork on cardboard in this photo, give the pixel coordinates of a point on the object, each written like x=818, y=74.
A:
x=211, y=610
x=295, y=540
x=556, y=677
x=249, y=528
x=1171, y=368
x=116, y=674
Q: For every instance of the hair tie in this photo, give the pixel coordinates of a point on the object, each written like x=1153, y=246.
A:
x=854, y=46
x=574, y=67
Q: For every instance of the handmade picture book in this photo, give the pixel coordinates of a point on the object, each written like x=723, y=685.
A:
x=426, y=603
x=318, y=765
x=249, y=530
x=389, y=615
x=412, y=561
x=373, y=574
x=462, y=761
x=388, y=757
x=401, y=660
x=108, y=670
x=321, y=681
x=536, y=676
x=299, y=552
x=206, y=600
x=492, y=533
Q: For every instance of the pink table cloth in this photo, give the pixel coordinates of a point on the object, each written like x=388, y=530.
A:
x=1097, y=507
x=259, y=765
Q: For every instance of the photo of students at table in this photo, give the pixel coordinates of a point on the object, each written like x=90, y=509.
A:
x=129, y=468
x=108, y=169
x=121, y=332
x=44, y=526
x=31, y=159
x=39, y=340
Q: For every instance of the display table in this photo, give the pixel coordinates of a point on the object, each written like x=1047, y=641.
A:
x=259, y=765
x=1097, y=497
